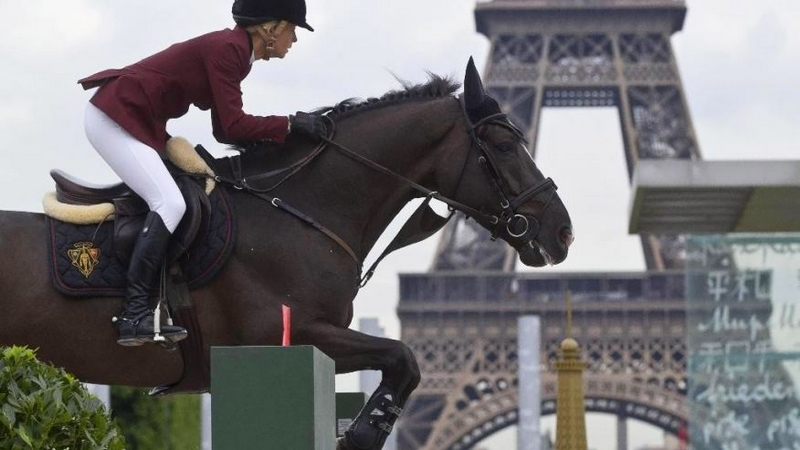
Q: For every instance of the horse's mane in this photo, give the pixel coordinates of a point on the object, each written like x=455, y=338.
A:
x=437, y=86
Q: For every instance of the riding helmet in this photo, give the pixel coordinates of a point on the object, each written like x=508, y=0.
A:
x=254, y=12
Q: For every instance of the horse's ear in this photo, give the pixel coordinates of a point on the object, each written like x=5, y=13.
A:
x=473, y=87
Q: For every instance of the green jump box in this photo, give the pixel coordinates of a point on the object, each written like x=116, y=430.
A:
x=348, y=405
x=266, y=397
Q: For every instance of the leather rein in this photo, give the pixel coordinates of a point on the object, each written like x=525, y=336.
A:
x=516, y=225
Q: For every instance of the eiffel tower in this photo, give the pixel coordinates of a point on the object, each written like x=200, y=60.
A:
x=583, y=54
x=460, y=317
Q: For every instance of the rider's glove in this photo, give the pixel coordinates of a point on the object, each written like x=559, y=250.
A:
x=308, y=124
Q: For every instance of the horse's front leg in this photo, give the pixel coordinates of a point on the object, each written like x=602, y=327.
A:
x=353, y=351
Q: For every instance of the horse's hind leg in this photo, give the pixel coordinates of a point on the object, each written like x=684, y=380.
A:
x=353, y=351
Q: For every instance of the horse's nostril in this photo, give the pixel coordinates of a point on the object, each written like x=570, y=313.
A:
x=566, y=236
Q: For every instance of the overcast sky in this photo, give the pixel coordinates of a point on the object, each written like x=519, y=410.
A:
x=739, y=62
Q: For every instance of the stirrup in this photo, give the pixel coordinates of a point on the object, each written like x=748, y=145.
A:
x=131, y=336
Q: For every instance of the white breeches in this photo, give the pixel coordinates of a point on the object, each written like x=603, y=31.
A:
x=138, y=165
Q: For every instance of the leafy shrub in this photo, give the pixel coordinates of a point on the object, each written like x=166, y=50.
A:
x=43, y=407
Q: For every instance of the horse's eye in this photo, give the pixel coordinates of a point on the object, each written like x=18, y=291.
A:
x=505, y=147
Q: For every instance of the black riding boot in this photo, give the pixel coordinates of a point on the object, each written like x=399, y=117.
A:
x=135, y=323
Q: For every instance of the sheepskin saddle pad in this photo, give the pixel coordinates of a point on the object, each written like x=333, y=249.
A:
x=92, y=228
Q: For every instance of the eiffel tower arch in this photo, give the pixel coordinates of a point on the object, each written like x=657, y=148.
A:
x=583, y=54
x=463, y=329
x=460, y=318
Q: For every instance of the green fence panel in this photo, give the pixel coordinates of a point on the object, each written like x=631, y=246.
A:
x=272, y=398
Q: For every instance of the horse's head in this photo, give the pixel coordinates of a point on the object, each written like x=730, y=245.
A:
x=518, y=204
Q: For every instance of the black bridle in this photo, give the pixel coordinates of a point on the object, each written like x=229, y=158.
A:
x=516, y=224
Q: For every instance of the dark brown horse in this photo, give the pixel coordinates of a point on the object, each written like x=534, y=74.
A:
x=463, y=149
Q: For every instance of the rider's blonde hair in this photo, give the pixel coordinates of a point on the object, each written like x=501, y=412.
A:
x=268, y=31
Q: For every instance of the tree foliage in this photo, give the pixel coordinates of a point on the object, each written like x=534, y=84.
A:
x=169, y=423
x=43, y=407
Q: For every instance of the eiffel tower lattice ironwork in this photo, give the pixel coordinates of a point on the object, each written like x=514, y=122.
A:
x=583, y=53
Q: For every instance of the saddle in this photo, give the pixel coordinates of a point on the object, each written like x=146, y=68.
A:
x=93, y=228
x=127, y=211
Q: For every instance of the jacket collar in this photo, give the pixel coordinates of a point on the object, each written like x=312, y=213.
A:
x=249, y=43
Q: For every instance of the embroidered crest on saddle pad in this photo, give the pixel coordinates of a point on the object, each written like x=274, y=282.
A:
x=85, y=256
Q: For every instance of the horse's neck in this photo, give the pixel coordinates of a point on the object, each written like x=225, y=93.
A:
x=357, y=202
x=412, y=147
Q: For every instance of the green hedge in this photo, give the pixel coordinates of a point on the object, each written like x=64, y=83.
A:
x=43, y=407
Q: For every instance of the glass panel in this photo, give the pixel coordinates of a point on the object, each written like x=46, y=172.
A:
x=743, y=325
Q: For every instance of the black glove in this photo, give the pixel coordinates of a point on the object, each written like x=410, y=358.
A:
x=308, y=124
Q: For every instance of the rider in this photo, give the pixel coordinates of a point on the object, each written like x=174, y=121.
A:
x=126, y=123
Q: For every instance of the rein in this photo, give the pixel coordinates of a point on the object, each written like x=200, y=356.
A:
x=508, y=216
x=241, y=183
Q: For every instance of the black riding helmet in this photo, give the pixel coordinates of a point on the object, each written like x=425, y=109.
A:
x=254, y=12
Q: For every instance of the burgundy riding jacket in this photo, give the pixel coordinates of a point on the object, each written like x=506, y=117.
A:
x=206, y=71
